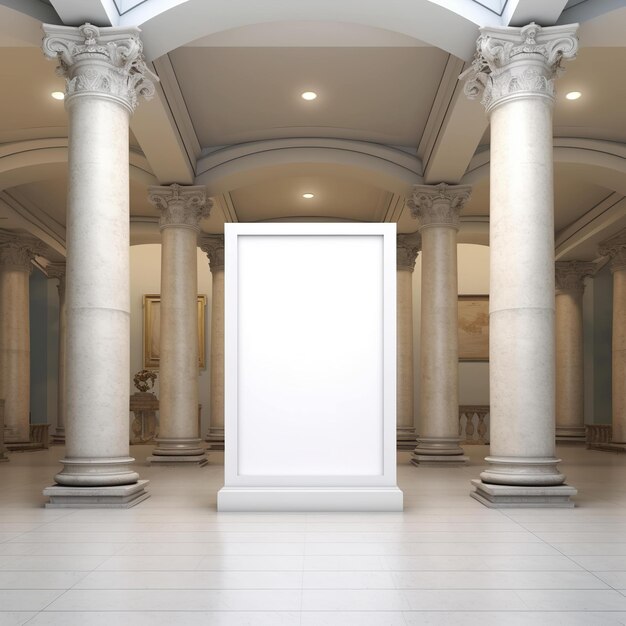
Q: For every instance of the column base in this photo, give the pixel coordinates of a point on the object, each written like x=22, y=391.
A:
x=97, y=472
x=509, y=497
x=406, y=438
x=570, y=433
x=215, y=438
x=439, y=451
x=58, y=438
x=191, y=459
x=177, y=451
x=314, y=499
x=522, y=471
x=117, y=497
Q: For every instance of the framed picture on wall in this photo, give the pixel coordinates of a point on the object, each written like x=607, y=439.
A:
x=152, y=331
x=473, y=328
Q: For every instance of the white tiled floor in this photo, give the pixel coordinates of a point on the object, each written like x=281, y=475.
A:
x=446, y=560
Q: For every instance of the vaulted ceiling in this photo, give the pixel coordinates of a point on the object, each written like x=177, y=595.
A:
x=389, y=113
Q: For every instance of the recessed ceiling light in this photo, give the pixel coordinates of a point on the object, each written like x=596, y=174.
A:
x=58, y=95
x=573, y=95
x=308, y=196
x=309, y=95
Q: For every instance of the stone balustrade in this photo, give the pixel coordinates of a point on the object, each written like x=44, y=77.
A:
x=474, y=424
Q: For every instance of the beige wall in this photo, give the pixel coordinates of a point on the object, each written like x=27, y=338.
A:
x=145, y=278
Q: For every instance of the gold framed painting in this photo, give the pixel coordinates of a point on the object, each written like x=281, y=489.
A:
x=152, y=331
x=473, y=328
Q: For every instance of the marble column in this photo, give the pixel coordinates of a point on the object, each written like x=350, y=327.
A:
x=3, y=456
x=15, y=268
x=105, y=75
x=213, y=246
x=437, y=209
x=570, y=286
x=615, y=248
x=408, y=247
x=515, y=70
x=57, y=270
x=181, y=208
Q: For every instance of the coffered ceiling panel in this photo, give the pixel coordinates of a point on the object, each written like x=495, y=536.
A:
x=237, y=95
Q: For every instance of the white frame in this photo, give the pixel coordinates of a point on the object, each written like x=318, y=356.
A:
x=364, y=486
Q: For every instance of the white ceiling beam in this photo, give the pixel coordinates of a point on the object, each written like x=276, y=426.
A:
x=158, y=134
x=453, y=131
x=96, y=12
x=522, y=12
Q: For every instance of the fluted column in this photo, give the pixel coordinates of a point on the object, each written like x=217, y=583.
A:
x=515, y=70
x=15, y=267
x=570, y=286
x=105, y=73
x=437, y=209
x=181, y=210
x=213, y=246
x=57, y=270
x=408, y=247
x=615, y=248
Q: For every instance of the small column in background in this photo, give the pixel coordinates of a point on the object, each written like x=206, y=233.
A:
x=615, y=248
x=213, y=246
x=570, y=286
x=408, y=247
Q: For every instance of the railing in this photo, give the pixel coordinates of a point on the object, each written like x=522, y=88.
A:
x=597, y=434
x=474, y=424
x=39, y=434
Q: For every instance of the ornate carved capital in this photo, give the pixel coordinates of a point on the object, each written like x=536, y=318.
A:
x=213, y=246
x=96, y=61
x=181, y=206
x=518, y=62
x=408, y=247
x=57, y=270
x=615, y=248
x=570, y=276
x=438, y=205
x=17, y=253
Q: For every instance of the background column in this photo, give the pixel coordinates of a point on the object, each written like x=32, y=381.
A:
x=181, y=210
x=15, y=268
x=105, y=73
x=570, y=286
x=213, y=245
x=616, y=249
x=437, y=209
x=408, y=248
x=514, y=69
x=57, y=270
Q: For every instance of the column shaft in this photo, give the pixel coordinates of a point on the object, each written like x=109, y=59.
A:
x=570, y=286
x=15, y=351
x=57, y=270
x=408, y=247
x=619, y=356
x=179, y=440
x=615, y=248
x=437, y=210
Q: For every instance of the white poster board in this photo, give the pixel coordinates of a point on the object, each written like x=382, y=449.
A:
x=310, y=367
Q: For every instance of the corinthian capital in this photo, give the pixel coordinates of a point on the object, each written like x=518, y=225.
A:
x=615, y=248
x=570, y=276
x=213, y=246
x=518, y=62
x=408, y=247
x=106, y=62
x=181, y=206
x=438, y=205
x=17, y=253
